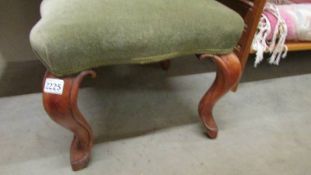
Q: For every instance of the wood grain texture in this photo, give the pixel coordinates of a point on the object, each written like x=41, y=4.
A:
x=63, y=109
x=228, y=74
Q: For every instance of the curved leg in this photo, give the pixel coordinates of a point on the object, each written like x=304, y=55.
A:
x=228, y=74
x=63, y=109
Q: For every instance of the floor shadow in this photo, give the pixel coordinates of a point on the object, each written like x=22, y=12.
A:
x=128, y=102
x=296, y=63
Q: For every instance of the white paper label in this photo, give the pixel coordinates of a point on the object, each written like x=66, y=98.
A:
x=54, y=86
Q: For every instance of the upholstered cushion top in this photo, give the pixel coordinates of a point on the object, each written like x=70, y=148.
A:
x=74, y=35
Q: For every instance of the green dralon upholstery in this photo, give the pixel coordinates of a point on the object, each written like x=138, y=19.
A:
x=75, y=35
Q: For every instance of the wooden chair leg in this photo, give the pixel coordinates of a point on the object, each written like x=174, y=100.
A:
x=228, y=74
x=63, y=109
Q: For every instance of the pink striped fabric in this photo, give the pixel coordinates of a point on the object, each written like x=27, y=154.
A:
x=297, y=18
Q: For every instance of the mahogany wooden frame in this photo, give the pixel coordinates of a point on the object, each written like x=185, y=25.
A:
x=63, y=109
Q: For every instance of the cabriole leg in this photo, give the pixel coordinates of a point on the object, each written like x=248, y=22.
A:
x=228, y=74
x=63, y=109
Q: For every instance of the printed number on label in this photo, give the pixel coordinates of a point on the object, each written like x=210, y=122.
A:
x=54, y=86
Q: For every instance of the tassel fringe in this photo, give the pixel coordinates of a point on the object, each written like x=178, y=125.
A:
x=276, y=47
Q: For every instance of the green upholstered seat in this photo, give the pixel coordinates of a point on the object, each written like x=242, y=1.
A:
x=74, y=35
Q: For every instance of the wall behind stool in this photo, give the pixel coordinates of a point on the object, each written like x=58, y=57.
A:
x=19, y=69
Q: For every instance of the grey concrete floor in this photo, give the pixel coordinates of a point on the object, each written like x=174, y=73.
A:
x=146, y=123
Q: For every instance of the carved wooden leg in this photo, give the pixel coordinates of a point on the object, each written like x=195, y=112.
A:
x=63, y=109
x=228, y=73
x=166, y=64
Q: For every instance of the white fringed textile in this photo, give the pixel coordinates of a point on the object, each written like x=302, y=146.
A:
x=276, y=47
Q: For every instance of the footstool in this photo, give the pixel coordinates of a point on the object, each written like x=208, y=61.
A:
x=75, y=36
